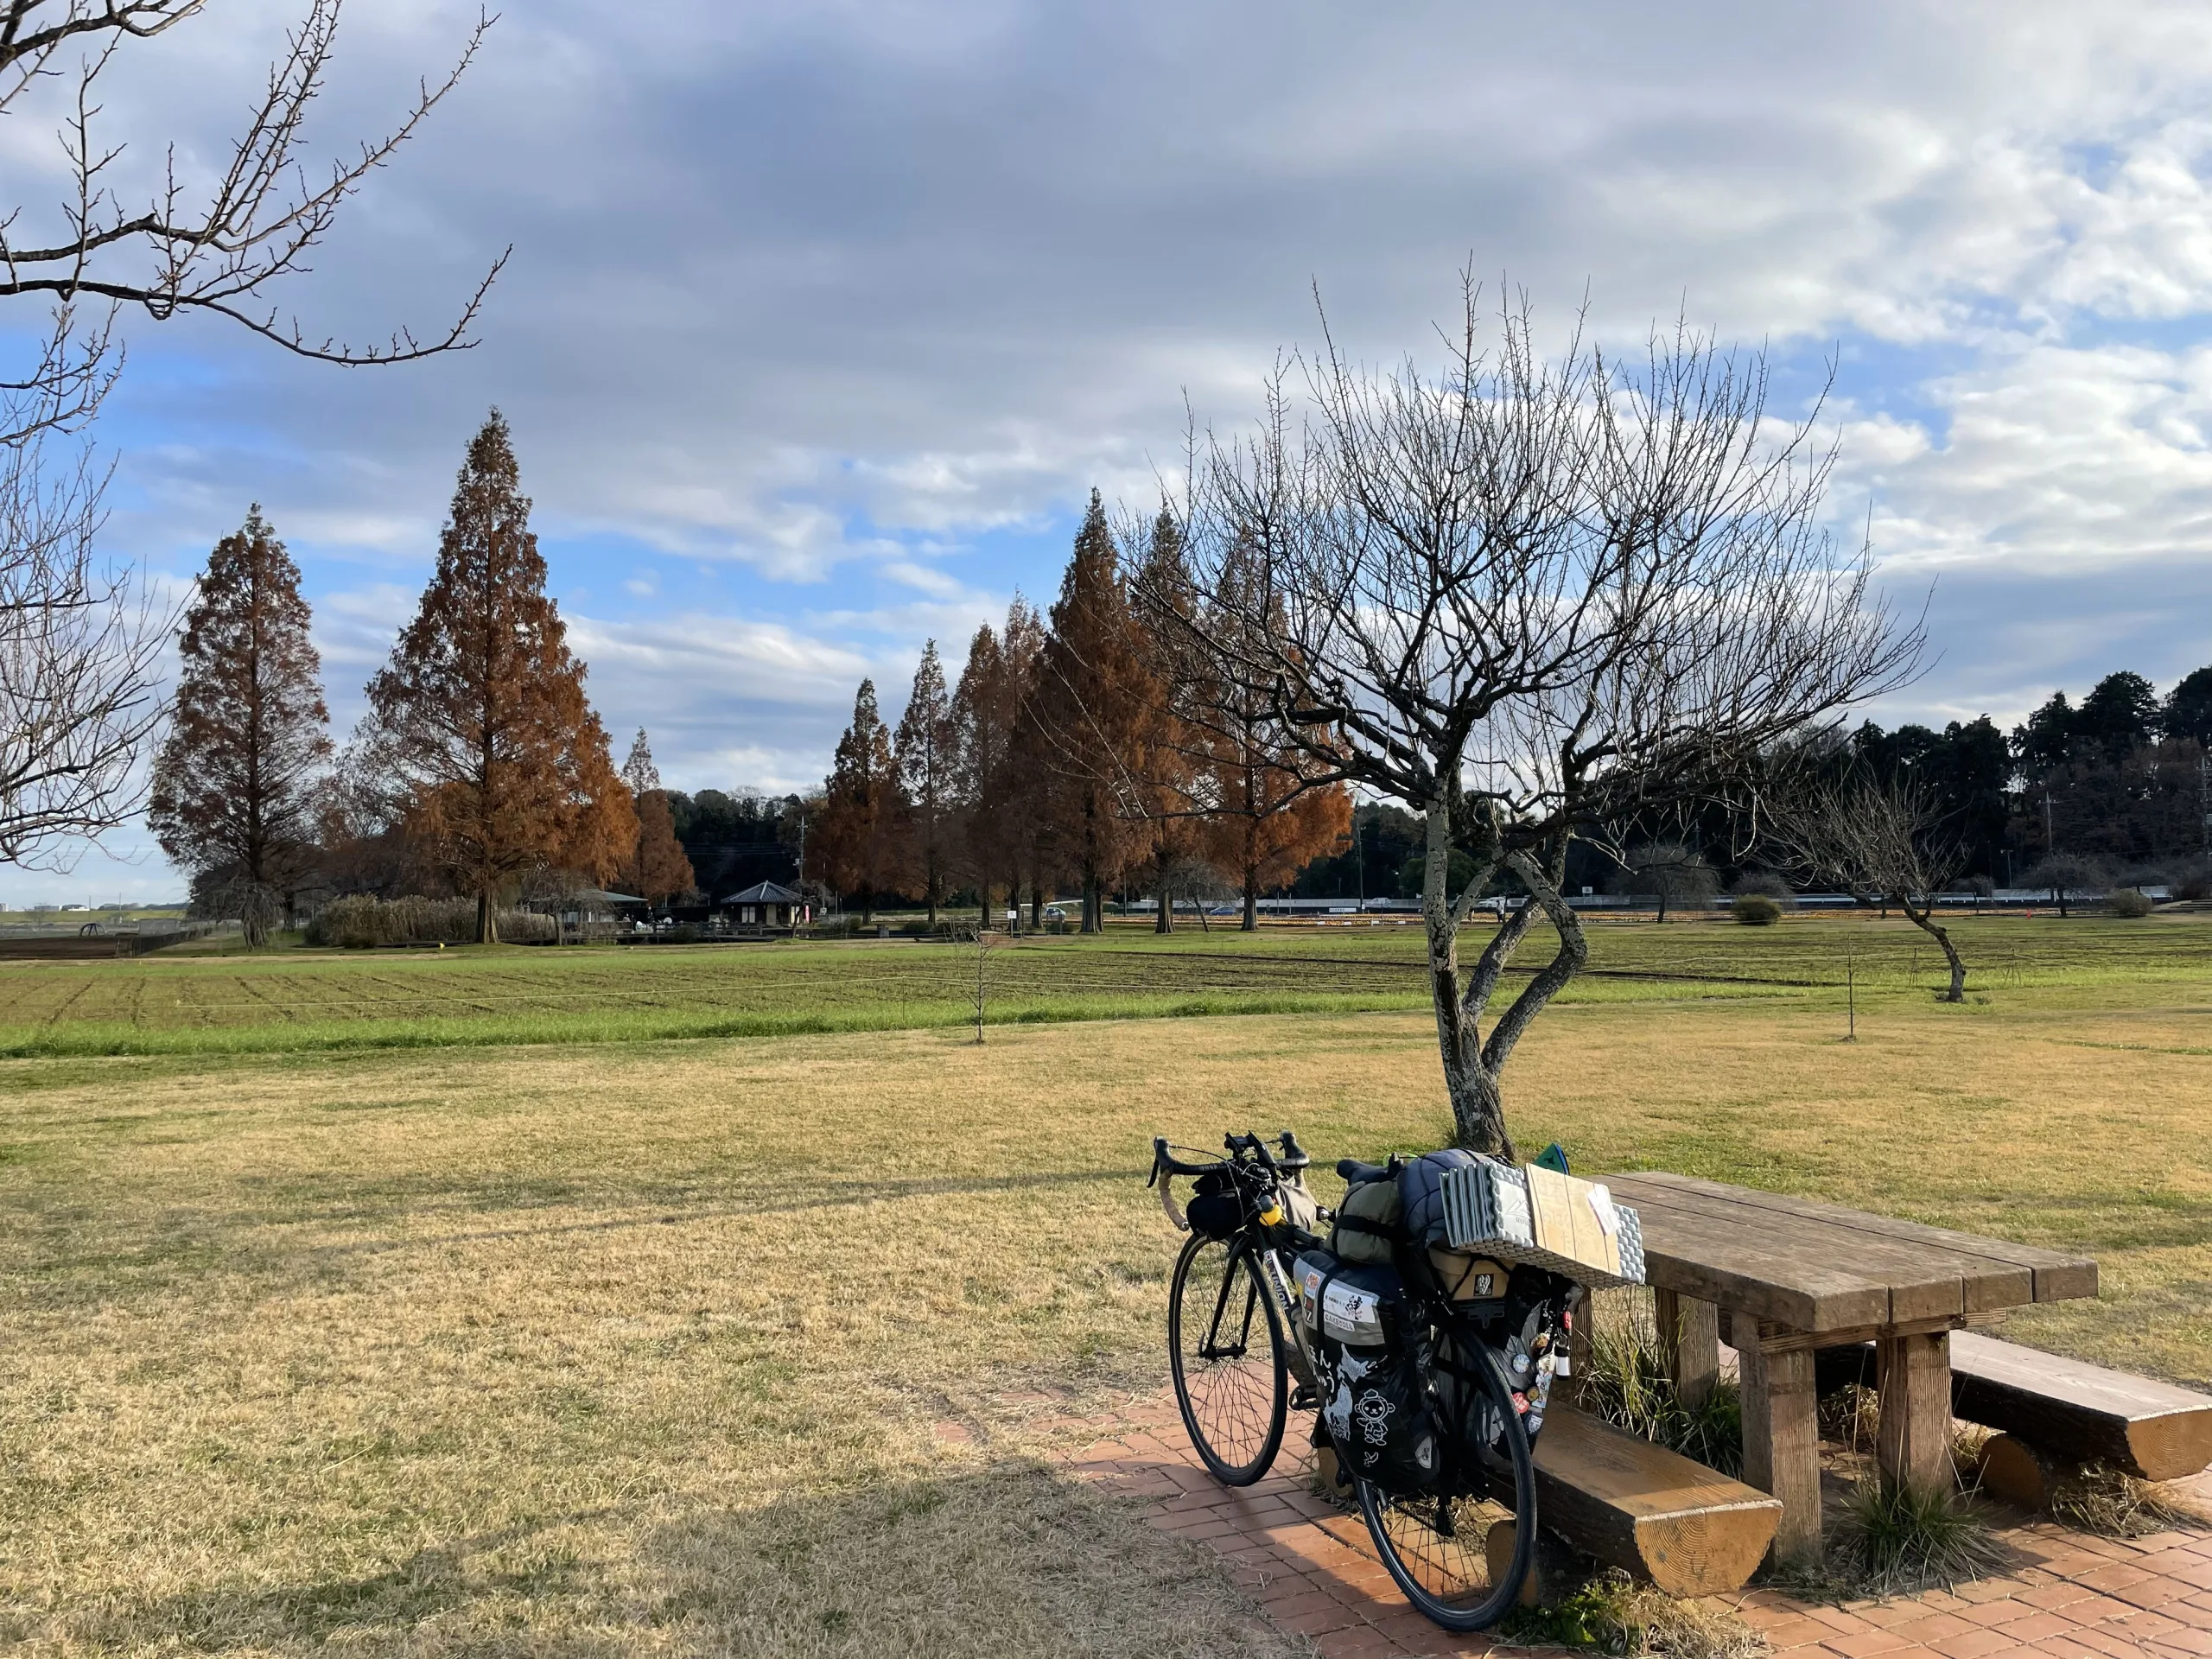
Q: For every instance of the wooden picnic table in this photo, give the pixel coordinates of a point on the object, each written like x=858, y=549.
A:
x=1778, y=1278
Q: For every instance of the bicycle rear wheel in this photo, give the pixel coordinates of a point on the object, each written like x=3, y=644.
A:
x=1225, y=1346
x=1437, y=1547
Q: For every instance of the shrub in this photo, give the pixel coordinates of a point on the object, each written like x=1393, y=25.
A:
x=2127, y=902
x=1767, y=885
x=1756, y=910
x=361, y=922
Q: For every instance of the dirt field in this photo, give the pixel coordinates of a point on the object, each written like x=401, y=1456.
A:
x=654, y=1347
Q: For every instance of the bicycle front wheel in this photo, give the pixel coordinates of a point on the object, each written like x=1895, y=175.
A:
x=1438, y=1547
x=1225, y=1346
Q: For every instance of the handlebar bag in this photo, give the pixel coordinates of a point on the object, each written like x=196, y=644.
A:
x=1218, y=1206
x=1375, y=1406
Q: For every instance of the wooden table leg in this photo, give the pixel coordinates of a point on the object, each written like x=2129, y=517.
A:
x=1689, y=1335
x=1913, y=1375
x=1781, y=1443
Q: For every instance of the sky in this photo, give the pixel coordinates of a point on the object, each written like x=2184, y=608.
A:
x=822, y=319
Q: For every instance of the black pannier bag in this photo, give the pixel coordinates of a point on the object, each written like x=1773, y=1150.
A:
x=1218, y=1206
x=1375, y=1408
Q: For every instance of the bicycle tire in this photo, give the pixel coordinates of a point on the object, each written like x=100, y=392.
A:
x=1235, y=1402
x=1430, y=1545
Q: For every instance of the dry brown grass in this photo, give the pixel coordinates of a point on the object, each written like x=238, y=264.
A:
x=645, y=1349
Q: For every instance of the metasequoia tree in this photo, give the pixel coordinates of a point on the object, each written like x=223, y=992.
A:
x=81, y=643
x=236, y=786
x=1161, y=773
x=984, y=707
x=856, y=842
x=1031, y=793
x=1096, y=694
x=480, y=713
x=925, y=747
x=1883, y=841
x=657, y=869
x=1273, y=809
x=1533, y=599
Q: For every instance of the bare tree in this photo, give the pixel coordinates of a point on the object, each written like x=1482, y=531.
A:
x=1534, y=601
x=1883, y=842
x=81, y=643
x=1673, y=871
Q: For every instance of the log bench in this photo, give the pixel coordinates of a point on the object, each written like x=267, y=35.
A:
x=2050, y=1408
x=1656, y=1513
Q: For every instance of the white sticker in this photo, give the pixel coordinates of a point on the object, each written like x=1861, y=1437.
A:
x=1609, y=1221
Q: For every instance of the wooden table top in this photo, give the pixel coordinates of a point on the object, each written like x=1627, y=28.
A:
x=1819, y=1266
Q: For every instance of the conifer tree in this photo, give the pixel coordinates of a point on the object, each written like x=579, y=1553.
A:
x=236, y=784
x=480, y=713
x=854, y=843
x=1268, y=818
x=924, y=751
x=981, y=723
x=1164, y=784
x=658, y=869
x=1028, y=787
x=1094, y=697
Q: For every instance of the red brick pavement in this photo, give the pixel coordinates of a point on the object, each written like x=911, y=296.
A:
x=1313, y=1569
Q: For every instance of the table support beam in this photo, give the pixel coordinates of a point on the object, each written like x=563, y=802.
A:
x=1689, y=1335
x=1913, y=1375
x=1781, y=1443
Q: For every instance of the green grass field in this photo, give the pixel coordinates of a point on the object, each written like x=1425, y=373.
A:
x=758, y=1345
x=298, y=1000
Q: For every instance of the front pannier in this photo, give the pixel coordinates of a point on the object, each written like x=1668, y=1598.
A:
x=1375, y=1408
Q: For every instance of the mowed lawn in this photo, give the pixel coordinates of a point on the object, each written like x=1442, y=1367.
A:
x=304, y=1000
x=758, y=1345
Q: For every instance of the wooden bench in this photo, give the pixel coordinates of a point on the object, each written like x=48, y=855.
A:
x=2052, y=1407
x=1635, y=1505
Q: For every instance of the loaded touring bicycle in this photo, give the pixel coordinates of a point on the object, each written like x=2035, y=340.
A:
x=1423, y=1321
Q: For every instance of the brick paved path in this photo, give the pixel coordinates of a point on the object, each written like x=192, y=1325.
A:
x=1315, y=1572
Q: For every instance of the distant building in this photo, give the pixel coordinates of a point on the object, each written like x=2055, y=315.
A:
x=765, y=905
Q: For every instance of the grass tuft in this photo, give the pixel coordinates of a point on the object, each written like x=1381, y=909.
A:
x=1613, y=1614
x=2102, y=1499
x=1627, y=1385
x=1896, y=1538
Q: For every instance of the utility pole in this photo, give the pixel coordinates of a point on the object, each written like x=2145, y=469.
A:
x=1359, y=852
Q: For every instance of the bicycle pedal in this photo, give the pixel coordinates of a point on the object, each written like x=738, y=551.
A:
x=1303, y=1398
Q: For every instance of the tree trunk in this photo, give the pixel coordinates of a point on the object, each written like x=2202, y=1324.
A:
x=1165, y=922
x=487, y=919
x=1925, y=921
x=1094, y=905
x=1477, y=1108
x=1251, y=922
x=1036, y=902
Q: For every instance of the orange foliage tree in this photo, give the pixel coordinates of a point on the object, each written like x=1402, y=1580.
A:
x=856, y=841
x=237, y=782
x=658, y=869
x=480, y=713
x=1095, y=697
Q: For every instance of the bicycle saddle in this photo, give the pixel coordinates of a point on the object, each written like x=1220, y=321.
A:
x=1354, y=1172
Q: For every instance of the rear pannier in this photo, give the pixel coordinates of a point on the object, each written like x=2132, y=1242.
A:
x=1376, y=1407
